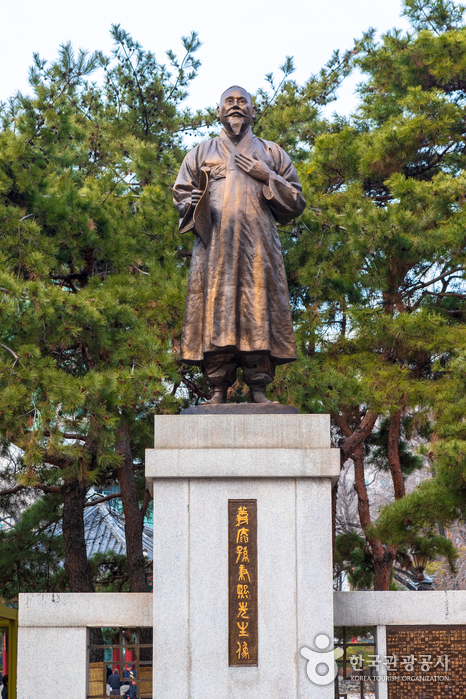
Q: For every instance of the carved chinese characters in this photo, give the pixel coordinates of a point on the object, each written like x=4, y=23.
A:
x=242, y=583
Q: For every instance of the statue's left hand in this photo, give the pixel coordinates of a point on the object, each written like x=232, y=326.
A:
x=254, y=168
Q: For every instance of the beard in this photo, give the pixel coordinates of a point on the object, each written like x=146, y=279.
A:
x=236, y=124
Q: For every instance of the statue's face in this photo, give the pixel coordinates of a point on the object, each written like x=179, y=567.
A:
x=235, y=110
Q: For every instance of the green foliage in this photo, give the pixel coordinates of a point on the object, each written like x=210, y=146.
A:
x=421, y=537
x=442, y=498
x=289, y=114
x=92, y=270
x=376, y=262
x=378, y=456
x=92, y=273
x=353, y=557
x=109, y=571
x=433, y=15
x=31, y=554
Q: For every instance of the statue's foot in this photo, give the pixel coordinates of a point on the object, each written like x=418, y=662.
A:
x=219, y=395
x=258, y=395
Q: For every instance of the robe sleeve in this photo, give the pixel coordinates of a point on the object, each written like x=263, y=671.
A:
x=186, y=181
x=284, y=190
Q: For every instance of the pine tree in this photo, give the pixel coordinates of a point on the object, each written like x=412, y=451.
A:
x=92, y=277
x=93, y=274
x=376, y=263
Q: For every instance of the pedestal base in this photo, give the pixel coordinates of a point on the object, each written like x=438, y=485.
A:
x=294, y=544
x=241, y=409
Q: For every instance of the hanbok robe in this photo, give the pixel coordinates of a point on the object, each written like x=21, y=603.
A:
x=237, y=298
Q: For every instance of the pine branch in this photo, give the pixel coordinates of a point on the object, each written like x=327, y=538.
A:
x=287, y=69
x=141, y=95
x=58, y=461
x=106, y=498
x=12, y=491
x=40, y=486
x=65, y=435
x=48, y=488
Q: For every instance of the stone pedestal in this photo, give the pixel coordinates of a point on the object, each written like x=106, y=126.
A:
x=198, y=464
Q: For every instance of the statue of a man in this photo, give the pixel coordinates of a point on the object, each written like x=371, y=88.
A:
x=231, y=191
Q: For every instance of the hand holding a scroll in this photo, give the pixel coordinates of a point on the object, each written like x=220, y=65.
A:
x=196, y=194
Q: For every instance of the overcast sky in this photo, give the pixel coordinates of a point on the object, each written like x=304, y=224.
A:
x=242, y=41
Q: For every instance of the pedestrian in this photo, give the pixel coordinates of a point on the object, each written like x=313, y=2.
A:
x=5, y=687
x=129, y=672
x=132, y=691
x=114, y=682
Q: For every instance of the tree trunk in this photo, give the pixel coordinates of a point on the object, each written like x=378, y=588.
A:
x=76, y=565
x=352, y=446
x=133, y=517
x=383, y=569
x=383, y=556
x=354, y=439
x=394, y=456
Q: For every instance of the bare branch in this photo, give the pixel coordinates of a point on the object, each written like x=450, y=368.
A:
x=447, y=293
x=139, y=270
x=432, y=281
x=16, y=356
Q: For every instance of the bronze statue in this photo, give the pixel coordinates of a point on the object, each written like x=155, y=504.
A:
x=231, y=191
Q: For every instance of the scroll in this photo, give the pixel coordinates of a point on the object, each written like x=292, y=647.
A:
x=202, y=217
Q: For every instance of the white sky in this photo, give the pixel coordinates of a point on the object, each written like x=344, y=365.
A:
x=242, y=41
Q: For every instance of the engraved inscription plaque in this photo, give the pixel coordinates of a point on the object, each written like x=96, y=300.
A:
x=426, y=662
x=242, y=582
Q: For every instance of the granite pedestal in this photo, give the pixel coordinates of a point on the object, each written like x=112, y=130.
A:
x=199, y=463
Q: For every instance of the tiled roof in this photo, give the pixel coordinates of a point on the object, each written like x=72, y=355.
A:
x=104, y=530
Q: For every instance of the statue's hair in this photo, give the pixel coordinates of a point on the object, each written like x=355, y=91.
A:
x=238, y=87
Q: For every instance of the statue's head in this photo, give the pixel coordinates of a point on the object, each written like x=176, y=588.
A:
x=235, y=110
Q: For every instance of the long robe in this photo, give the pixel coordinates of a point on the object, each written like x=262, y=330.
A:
x=237, y=299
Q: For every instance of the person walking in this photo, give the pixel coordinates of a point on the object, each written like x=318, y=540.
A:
x=114, y=682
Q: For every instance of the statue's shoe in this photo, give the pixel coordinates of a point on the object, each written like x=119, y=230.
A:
x=258, y=395
x=219, y=395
